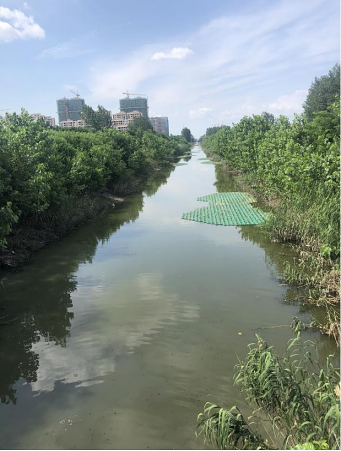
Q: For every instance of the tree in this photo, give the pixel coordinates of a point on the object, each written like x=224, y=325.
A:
x=186, y=133
x=96, y=119
x=211, y=130
x=140, y=125
x=322, y=92
x=41, y=169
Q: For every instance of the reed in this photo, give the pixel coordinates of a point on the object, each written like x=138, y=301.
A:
x=294, y=394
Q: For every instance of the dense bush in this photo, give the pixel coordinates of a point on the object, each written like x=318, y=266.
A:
x=297, y=162
x=41, y=167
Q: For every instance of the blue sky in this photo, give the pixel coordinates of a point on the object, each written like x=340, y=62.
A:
x=200, y=63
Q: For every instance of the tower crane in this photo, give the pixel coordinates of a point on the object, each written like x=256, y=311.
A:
x=76, y=93
x=132, y=94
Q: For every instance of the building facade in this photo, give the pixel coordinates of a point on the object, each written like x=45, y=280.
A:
x=160, y=124
x=121, y=120
x=47, y=119
x=70, y=109
x=129, y=105
x=70, y=123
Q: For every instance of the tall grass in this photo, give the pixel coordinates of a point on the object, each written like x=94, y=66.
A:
x=293, y=393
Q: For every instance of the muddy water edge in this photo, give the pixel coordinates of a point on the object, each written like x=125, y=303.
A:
x=127, y=325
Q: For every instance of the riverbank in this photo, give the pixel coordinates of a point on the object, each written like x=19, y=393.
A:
x=52, y=225
x=52, y=181
x=55, y=223
x=139, y=314
x=316, y=275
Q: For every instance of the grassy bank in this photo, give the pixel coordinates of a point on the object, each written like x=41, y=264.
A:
x=294, y=166
x=54, y=180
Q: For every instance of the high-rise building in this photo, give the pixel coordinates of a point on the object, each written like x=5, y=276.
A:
x=160, y=124
x=140, y=104
x=47, y=119
x=166, y=124
x=70, y=109
x=120, y=121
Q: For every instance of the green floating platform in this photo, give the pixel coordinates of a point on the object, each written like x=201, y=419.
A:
x=230, y=198
x=228, y=209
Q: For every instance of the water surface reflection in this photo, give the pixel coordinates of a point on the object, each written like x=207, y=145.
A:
x=134, y=320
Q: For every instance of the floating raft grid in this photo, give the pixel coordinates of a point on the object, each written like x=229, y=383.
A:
x=228, y=209
x=230, y=198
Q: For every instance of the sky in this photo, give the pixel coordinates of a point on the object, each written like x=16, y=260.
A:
x=200, y=63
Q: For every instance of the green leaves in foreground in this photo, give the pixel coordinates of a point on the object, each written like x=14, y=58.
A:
x=298, y=397
x=316, y=444
x=227, y=429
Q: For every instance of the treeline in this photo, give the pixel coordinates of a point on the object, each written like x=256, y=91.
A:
x=295, y=162
x=41, y=168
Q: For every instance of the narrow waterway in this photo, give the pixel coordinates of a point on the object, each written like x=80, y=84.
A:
x=128, y=324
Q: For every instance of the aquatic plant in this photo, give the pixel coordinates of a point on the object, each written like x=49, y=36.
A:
x=293, y=394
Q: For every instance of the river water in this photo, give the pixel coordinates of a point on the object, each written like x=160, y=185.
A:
x=130, y=324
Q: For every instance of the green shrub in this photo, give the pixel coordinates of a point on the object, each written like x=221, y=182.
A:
x=40, y=168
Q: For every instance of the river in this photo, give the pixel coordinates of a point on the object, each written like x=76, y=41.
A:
x=131, y=323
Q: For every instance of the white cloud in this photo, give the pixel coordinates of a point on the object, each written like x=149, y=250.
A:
x=87, y=358
x=70, y=49
x=199, y=113
x=290, y=102
x=16, y=25
x=110, y=81
x=242, y=62
x=178, y=53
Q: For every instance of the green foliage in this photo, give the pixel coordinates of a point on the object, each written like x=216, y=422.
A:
x=140, y=125
x=40, y=168
x=297, y=396
x=96, y=119
x=323, y=92
x=212, y=130
x=227, y=429
x=186, y=133
x=296, y=162
x=315, y=444
x=7, y=219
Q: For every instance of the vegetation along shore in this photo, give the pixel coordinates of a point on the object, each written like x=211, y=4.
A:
x=295, y=167
x=51, y=181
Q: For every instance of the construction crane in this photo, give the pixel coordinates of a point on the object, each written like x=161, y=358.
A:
x=132, y=94
x=76, y=93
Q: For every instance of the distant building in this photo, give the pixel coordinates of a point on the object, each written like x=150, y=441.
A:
x=129, y=105
x=160, y=124
x=70, y=109
x=70, y=123
x=120, y=121
x=47, y=119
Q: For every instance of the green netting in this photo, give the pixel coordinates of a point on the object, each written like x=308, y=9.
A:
x=227, y=209
x=231, y=197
